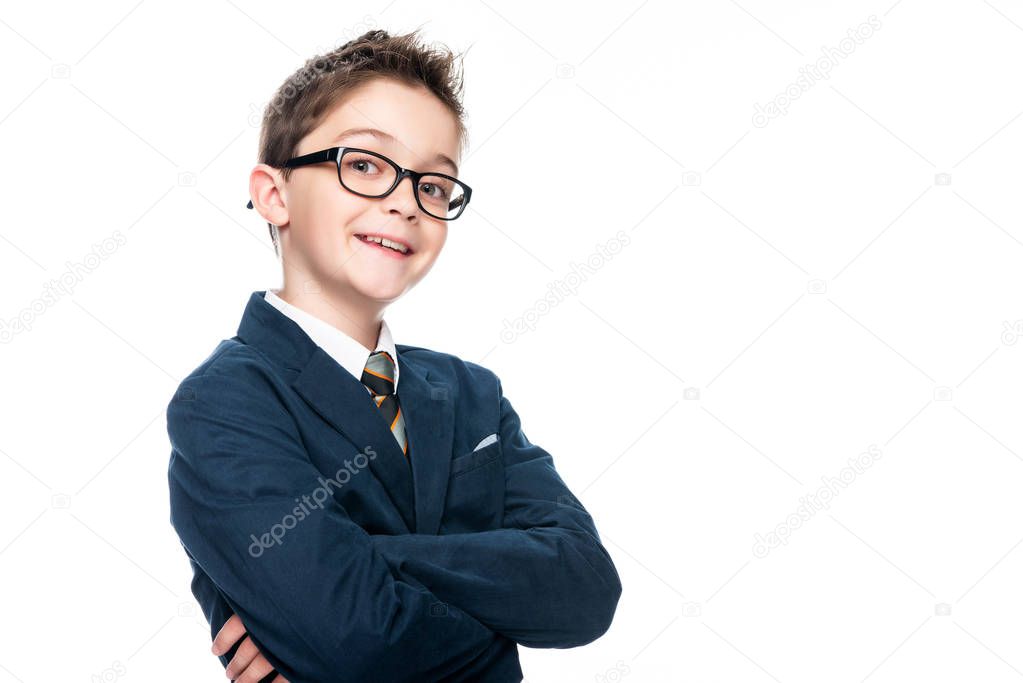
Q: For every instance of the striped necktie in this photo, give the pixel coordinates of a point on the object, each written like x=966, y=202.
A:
x=378, y=376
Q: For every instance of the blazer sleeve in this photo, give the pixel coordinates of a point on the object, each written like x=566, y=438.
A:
x=314, y=595
x=545, y=580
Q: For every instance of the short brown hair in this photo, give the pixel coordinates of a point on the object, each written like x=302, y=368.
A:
x=311, y=93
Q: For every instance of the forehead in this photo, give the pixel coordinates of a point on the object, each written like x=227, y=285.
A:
x=410, y=125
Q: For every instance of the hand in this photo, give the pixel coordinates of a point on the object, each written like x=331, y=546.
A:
x=248, y=664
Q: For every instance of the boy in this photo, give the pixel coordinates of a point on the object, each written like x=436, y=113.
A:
x=355, y=509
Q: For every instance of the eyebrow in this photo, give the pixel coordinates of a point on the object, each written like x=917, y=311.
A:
x=388, y=138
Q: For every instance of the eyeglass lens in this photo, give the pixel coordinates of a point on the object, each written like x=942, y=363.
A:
x=370, y=175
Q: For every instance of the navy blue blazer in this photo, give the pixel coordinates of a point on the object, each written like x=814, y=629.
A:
x=345, y=560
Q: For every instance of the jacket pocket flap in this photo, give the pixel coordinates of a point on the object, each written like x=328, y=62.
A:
x=478, y=458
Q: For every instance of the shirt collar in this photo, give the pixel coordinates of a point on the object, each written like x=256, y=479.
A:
x=349, y=354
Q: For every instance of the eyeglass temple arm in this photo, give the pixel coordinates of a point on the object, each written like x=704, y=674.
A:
x=307, y=159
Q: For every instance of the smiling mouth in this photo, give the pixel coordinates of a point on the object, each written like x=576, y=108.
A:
x=390, y=248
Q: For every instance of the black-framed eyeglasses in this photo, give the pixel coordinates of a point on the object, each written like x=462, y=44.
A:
x=369, y=174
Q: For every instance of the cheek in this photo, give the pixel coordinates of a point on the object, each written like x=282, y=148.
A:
x=436, y=238
x=323, y=200
x=328, y=226
x=319, y=233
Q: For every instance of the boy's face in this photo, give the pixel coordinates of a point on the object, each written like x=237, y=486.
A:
x=323, y=219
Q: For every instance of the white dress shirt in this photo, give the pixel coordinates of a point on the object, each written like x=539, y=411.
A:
x=349, y=353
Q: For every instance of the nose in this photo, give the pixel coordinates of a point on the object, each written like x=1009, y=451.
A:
x=402, y=201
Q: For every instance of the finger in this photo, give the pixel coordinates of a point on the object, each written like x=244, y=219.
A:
x=246, y=652
x=279, y=678
x=256, y=671
x=229, y=633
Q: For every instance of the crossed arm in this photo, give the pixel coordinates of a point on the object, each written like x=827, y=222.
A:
x=237, y=466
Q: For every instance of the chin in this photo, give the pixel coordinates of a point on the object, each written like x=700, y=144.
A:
x=381, y=291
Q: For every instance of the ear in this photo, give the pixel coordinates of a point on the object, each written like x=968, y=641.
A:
x=265, y=190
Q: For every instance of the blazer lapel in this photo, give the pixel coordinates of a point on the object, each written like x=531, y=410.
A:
x=428, y=407
x=417, y=486
x=344, y=402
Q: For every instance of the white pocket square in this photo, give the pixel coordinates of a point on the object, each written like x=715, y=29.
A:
x=487, y=440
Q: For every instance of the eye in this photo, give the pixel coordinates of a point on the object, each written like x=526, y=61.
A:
x=363, y=166
x=434, y=191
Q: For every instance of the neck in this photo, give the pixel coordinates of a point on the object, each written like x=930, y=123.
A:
x=360, y=322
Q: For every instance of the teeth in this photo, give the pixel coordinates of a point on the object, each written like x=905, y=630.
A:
x=386, y=242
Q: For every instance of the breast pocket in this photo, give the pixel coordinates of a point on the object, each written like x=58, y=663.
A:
x=475, y=497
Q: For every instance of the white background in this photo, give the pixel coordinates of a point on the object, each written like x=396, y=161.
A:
x=843, y=279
